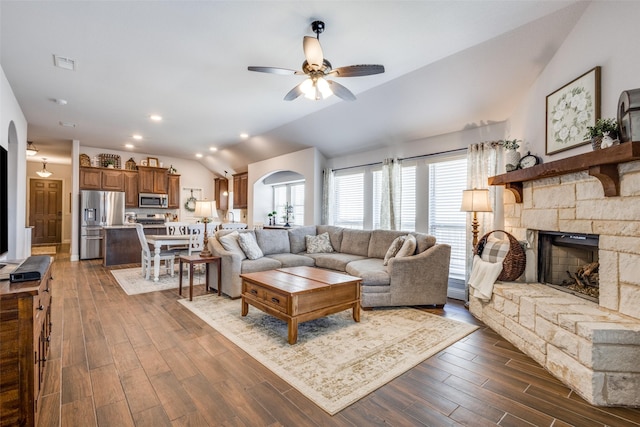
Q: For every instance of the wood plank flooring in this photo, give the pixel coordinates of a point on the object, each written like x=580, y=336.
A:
x=144, y=360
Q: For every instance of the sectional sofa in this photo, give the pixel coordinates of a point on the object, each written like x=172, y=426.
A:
x=417, y=279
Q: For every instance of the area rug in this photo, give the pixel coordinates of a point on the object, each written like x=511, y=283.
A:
x=133, y=282
x=43, y=250
x=336, y=361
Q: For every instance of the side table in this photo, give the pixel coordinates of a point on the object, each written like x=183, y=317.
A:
x=196, y=259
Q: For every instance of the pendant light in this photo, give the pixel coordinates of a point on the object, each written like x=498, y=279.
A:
x=226, y=192
x=44, y=173
x=31, y=149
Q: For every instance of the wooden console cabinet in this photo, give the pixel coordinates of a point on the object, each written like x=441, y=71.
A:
x=25, y=330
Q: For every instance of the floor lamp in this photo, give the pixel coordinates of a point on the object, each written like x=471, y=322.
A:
x=205, y=209
x=476, y=200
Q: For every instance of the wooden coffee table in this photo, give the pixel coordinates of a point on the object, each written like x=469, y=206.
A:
x=299, y=294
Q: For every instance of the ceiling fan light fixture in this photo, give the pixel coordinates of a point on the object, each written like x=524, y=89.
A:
x=44, y=173
x=316, y=89
x=31, y=149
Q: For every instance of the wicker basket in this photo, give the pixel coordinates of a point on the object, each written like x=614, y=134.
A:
x=514, y=263
x=106, y=159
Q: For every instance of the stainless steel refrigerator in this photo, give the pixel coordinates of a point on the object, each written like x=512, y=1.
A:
x=98, y=209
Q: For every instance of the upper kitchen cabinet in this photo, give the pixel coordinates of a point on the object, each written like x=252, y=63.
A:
x=131, y=189
x=221, y=186
x=153, y=180
x=240, y=189
x=101, y=179
x=174, y=191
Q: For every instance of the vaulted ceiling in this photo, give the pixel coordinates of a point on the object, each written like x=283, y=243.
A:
x=449, y=65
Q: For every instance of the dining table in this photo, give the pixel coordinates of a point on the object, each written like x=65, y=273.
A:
x=160, y=240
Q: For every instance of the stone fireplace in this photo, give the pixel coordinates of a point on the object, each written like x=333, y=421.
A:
x=593, y=346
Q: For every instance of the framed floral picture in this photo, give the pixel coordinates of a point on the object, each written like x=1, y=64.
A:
x=570, y=110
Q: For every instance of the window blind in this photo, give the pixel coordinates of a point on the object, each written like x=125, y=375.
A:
x=348, y=200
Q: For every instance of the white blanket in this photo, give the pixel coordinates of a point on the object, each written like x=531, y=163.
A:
x=483, y=276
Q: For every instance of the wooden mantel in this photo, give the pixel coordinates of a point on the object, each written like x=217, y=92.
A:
x=601, y=164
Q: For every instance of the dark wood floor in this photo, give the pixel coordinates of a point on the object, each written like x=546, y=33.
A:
x=144, y=360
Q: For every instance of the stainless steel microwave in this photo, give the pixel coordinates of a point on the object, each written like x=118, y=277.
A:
x=149, y=200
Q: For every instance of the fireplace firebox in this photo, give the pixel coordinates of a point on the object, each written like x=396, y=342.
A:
x=569, y=262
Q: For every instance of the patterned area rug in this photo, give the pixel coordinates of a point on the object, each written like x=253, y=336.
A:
x=133, y=282
x=336, y=361
x=43, y=250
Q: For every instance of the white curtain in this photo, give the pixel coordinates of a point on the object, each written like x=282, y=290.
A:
x=327, y=194
x=390, y=197
x=484, y=160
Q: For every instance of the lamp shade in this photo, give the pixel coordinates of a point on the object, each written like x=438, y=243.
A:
x=476, y=200
x=31, y=149
x=205, y=209
x=44, y=173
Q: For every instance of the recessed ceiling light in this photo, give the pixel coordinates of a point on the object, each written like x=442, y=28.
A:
x=155, y=118
x=244, y=135
x=213, y=149
x=67, y=124
x=129, y=145
x=198, y=155
x=61, y=101
x=137, y=137
x=65, y=63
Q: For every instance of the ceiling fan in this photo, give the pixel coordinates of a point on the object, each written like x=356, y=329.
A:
x=317, y=68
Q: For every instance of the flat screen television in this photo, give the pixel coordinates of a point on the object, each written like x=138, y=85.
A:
x=4, y=202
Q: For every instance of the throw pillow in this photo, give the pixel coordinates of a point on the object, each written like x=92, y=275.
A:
x=408, y=247
x=249, y=245
x=318, y=244
x=393, y=249
x=495, y=250
x=230, y=243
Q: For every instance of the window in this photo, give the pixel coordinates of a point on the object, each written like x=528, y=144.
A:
x=408, y=198
x=447, y=180
x=348, y=209
x=292, y=193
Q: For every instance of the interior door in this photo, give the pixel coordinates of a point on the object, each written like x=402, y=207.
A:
x=45, y=210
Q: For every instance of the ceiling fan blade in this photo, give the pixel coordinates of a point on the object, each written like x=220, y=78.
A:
x=357, y=70
x=313, y=52
x=294, y=93
x=275, y=70
x=341, y=91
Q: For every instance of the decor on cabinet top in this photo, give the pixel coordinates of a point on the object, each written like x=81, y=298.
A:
x=570, y=110
x=109, y=159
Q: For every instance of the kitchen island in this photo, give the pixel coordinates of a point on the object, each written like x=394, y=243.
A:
x=121, y=244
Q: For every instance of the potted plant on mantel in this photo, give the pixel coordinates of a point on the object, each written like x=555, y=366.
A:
x=603, y=134
x=511, y=154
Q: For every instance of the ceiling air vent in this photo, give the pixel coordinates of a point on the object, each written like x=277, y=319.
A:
x=66, y=63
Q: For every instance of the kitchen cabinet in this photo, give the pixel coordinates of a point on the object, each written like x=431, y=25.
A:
x=122, y=246
x=112, y=180
x=130, y=189
x=174, y=191
x=221, y=186
x=240, y=189
x=25, y=310
x=101, y=179
x=153, y=180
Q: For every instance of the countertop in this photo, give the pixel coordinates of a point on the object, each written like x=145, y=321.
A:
x=119, y=227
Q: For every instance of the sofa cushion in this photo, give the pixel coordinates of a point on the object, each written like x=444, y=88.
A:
x=273, y=241
x=370, y=270
x=319, y=244
x=293, y=260
x=260, y=264
x=334, y=261
x=356, y=242
x=423, y=241
x=381, y=241
x=297, y=235
x=335, y=235
x=393, y=249
x=408, y=247
x=249, y=245
x=229, y=242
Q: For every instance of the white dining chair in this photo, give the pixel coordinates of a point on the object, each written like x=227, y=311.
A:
x=176, y=229
x=147, y=255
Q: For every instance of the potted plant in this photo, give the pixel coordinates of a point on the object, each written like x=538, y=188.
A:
x=110, y=163
x=603, y=127
x=272, y=217
x=511, y=154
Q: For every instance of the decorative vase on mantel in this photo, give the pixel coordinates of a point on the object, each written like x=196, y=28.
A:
x=511, y=159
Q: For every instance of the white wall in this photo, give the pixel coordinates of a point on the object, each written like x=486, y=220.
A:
x=308, y=162
x=13, y=137
x=603, y=36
